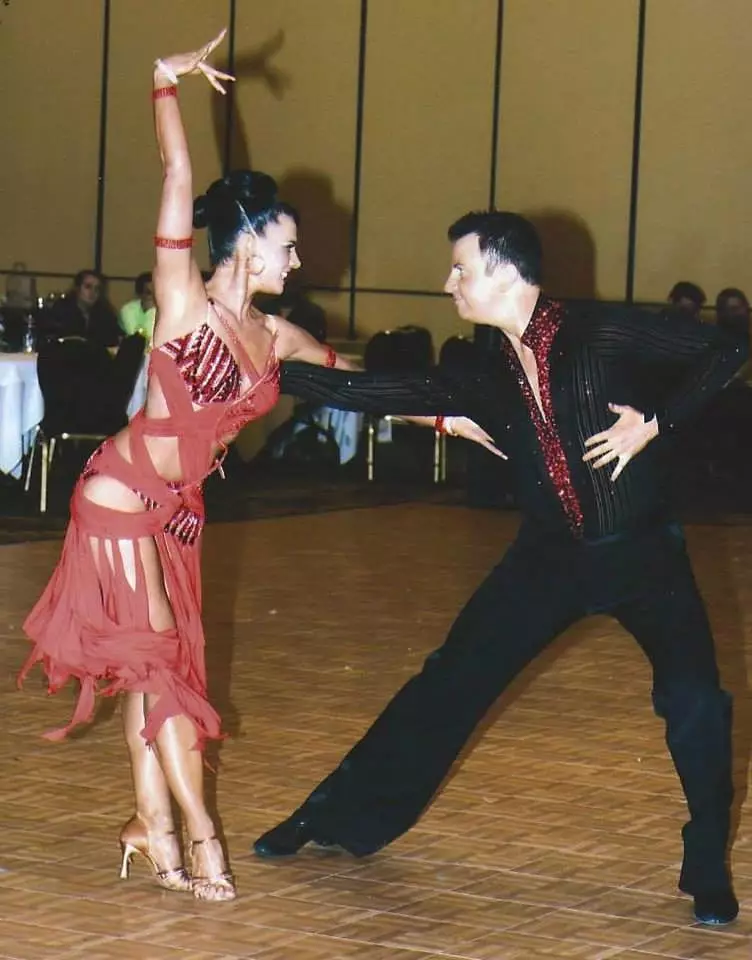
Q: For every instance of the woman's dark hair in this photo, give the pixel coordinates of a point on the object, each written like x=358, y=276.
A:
x=83, y=274
x=504, y=237
x=245, y=201
x=730, y=293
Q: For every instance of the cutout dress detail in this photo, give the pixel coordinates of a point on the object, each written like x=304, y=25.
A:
x=92, y=621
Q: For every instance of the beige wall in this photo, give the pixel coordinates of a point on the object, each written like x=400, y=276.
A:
x=565, y=136
x=695, y=212
x=564, y=148
x=49, y=140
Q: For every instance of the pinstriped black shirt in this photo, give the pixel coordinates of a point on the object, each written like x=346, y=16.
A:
x=667, y=366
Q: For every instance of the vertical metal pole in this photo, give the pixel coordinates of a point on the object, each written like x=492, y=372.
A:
x=99, y=228
x=496, y=106
x=636, y=136
x=355, y=219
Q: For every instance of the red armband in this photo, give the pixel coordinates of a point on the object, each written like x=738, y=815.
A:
x=161, y=92
x=331, y=358
x=169, y=244
x=439, y=424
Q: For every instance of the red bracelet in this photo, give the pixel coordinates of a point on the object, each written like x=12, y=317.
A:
x=169, y=244
x=439, y=424
x=331, y=357
x=160, y=92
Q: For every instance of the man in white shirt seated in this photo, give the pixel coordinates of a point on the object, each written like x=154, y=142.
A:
x=137, y=316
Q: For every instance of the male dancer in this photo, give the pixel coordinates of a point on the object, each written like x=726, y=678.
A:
x=564, y=398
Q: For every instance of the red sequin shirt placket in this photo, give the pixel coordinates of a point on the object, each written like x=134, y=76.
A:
x=539, y=336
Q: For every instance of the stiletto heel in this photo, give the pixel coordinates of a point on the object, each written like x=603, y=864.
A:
x=222, y=883
x=128, y=851
x=134, y=838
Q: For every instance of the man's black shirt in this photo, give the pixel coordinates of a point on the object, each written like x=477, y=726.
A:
x=599, y=355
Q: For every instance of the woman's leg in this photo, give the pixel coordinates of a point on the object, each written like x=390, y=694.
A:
x=181, y=764
x=154, y=821
x=173, y=766
x=149, y=783
x=183, y=767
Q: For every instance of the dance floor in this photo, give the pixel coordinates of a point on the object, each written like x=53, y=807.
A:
x=558, y=837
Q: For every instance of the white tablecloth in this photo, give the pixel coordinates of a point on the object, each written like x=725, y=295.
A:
x=345, y=426
x=138, y=397
x=22, y=406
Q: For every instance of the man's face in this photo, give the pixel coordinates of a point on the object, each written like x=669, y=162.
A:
x=474, y=290
x=90, y=290
x=688, y=307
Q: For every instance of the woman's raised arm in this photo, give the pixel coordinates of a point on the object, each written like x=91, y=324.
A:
x=177, y=279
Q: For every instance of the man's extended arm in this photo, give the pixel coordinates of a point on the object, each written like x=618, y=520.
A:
x=383, y=393
x=708, y=357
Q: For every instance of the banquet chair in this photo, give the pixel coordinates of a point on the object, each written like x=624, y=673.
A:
x=404, y=349
x=458, y=353
x=85, y=393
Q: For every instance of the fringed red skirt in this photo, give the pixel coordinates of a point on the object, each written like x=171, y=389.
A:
x=92, y=624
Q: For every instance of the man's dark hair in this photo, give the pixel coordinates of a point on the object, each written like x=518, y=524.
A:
x=504, y=237
x=141, y=280
x=684, y=290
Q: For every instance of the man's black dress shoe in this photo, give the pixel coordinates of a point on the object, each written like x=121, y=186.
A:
x=716, y=909
x=288, y=837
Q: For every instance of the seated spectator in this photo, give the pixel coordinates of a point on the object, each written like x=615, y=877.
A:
x=295, y=306
x=20, y=287
x=687, y=298
x=84, y=312
x=137, y=316
x=732, y=311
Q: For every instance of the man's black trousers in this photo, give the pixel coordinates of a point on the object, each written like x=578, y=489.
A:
x=542, y=585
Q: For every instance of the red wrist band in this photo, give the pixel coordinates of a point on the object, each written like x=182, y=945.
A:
x=160, y=92
x=439, y=424
x=331, y=357
x=169, y=244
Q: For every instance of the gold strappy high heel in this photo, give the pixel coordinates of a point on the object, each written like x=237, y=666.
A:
x=134, y=838
x=223, y=883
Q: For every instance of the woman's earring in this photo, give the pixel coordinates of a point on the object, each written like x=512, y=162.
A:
x=255, y=265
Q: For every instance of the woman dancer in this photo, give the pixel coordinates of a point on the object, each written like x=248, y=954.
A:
x=124, y=603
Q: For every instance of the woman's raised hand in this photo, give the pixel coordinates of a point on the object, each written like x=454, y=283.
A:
x=181, y=64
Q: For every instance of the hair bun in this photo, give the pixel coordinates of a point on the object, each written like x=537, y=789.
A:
x=200, y=212
x=249, y=188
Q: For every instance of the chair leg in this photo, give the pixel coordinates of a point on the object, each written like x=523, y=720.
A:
x=53, y=442
x=30, y=464
x=370, y=448
x=45, y=470
x=443, y=458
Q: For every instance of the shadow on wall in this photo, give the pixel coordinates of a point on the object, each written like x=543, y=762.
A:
x=569, y=254
x=325, y=222
x=325, y=226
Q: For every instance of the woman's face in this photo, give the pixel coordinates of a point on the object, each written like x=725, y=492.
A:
x=90, y=290
x=276, y=250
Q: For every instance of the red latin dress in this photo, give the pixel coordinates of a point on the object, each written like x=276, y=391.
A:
x=92, y=619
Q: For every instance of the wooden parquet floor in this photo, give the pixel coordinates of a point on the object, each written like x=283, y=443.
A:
x=558, y=838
